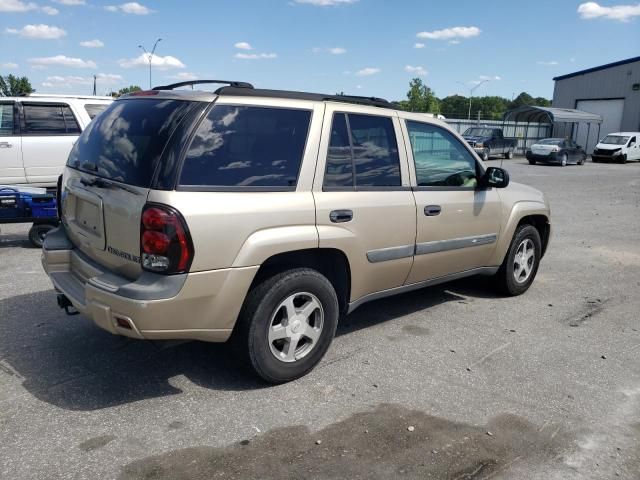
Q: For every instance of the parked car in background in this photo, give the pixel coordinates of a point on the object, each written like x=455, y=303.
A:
x=256, y=215
x=618, y=147
x=37, y=133
x=488, y=142
x=556, y=150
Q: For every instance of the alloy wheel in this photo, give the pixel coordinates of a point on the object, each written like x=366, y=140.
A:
x=524, y=261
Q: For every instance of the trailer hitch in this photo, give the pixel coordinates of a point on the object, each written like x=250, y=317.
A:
x=65, y=304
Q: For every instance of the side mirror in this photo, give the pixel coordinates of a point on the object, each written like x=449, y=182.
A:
x=495, y=177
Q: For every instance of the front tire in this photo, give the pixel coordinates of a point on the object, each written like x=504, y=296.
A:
x=563, y=160
x=532, y=162
x=287, y=324
x=38, y=232
x=486, y=153
x=520, y=265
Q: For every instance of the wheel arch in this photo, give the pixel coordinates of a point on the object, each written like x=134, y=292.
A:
x=330, y=262
x=526, y=212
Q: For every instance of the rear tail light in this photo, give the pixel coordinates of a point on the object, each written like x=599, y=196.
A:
x=165, y=243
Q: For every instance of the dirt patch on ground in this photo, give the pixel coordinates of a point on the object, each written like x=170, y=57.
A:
x=388, y=442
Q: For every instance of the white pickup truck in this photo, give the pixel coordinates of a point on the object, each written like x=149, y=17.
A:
x=37, y=133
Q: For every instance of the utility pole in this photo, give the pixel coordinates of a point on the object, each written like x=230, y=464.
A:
x=471, y=90
x=94, y=85
x=150, y=57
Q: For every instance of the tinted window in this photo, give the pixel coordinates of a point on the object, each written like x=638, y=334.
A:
x=44, y=119
x=70, y=120
x=369, y=143
x=550, y=141
x=94, y=109
x=339, y=171
x=6, y=118
x=237, y=146
x=440, y=159
x=125, y=142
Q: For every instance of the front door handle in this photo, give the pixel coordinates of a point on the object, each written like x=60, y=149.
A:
x=6, y=145
x=432, y=210
x=341, y=216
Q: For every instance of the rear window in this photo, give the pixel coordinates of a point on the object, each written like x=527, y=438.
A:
x=94, y=109
x=551, y=141
x=125, y=142
x=247, y=146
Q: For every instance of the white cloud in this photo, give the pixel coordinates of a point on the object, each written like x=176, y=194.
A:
x=450, y=33
x=15, y=6
x=9, y=65
x=49, y=10
x=163, y=63
x=184, y=76
x=68, y=81
x=358, y=87
x=417, y=70
x=255, y=56
x=325, y=3
x=454, y=42
x=551, y=63
x=41, y=32
x=418, y=45
x=62, y=60
x=70, y=3
x=92, y=43
x=365, y=72
x=243, y=46
x=489, y=77
x=622, y=13
x=133, y=8
x=332, y=50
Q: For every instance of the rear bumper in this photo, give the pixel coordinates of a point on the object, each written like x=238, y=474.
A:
x=198, y=306
x=551, y=158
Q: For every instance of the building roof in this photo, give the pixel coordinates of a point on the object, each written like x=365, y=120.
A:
x=595, y=69
x=528, y=113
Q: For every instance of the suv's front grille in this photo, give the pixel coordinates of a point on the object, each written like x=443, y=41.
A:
x=599, y=151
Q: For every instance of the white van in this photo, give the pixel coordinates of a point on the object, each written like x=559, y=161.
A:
x=37, y=133
x=618, y=147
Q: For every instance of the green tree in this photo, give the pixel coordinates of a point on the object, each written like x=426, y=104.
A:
x=12, y=86
x=420, y=98
x=125, y=90
x=523, y=99
x=541, y=102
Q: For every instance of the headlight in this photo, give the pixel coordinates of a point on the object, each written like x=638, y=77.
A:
x=555, y=149
x=617, y=152
x=480, y=145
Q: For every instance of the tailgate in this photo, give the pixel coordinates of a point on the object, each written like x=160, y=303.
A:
x=104, y=221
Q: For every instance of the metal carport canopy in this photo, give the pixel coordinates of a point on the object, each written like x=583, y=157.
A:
x=528, y=114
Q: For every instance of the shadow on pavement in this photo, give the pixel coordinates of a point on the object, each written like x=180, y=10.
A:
x=72, y=364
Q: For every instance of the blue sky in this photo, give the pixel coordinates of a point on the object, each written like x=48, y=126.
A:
x=364, y=47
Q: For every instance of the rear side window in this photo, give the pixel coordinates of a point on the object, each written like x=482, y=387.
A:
x=126, y=141
x=6, y=119
x=247, y=146
x=94, y=109
x=363, y=152
x=45, y=119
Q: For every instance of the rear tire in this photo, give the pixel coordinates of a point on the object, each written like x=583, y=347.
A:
x=38, y=232
x=486, y=153
x=287, y=324
x=520, y=265
x=582, y=160
x=509, y=154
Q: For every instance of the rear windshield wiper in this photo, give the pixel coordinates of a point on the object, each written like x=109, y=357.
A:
x=101, y=183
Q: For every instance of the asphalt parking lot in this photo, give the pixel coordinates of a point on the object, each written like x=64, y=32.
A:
x=447, y=382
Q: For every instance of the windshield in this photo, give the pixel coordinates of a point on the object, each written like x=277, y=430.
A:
x=478, y=132
x=124, y=143
x=551, y=141
x=615, y=140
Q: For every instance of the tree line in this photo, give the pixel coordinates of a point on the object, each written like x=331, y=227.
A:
x=421, y=98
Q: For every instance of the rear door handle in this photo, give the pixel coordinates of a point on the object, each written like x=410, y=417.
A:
x=6, y=145
x=341, y=216
x=432, y=210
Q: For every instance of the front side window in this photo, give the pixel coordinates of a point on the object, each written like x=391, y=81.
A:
x=240, y=146
x=363, y=152
x=6, y=119
x=440, y=159
x=43, y=119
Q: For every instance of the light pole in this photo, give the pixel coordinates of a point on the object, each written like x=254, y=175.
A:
x=471, y=90
x=150, y=57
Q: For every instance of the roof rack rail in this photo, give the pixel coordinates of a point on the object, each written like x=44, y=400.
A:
x=188, y=83
x=375, y=101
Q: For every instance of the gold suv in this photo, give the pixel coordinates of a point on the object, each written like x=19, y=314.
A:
x=265, y=215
